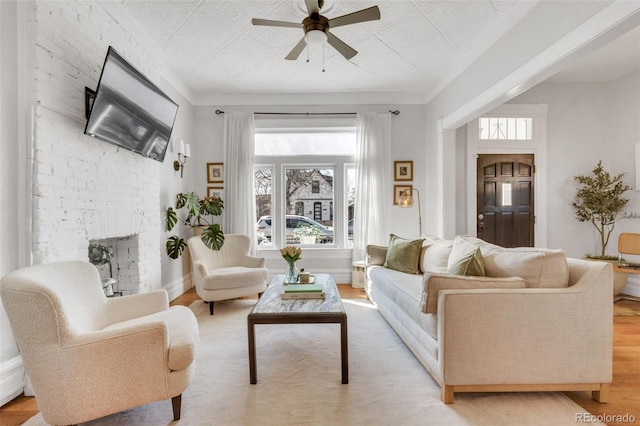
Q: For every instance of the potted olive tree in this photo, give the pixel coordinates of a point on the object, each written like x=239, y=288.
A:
x=198, y=215
x=599, y=201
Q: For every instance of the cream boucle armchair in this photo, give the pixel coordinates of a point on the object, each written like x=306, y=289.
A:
x=227, y=273
x=87, y=355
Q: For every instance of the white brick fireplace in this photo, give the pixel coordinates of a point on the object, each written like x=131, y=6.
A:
x=86, y=190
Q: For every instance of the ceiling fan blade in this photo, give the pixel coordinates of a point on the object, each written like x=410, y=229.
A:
x=342, y=47
x=364, y=15
x=313, y=6
x=295, y=52
x=270, y=23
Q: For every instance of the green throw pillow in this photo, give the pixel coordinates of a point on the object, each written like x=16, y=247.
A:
x=403, y=255
x=465, y=259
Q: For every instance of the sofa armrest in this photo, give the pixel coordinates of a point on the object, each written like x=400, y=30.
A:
x=376, y=255
x=528, y=336
x=434, y=282
x=137, y=305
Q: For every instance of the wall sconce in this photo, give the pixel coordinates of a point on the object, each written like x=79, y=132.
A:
x=405, y=200
x=184, y=152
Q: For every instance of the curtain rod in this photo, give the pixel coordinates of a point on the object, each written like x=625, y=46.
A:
x=395, y=112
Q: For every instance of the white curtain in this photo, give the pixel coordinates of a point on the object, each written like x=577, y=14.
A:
x=239, y=200
x=373, y=182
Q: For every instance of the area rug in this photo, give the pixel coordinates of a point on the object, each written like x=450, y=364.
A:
x=299, y=381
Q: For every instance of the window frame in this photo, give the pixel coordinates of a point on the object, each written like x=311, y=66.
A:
x=338, y=163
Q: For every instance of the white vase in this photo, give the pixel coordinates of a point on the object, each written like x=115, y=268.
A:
x=307, y=239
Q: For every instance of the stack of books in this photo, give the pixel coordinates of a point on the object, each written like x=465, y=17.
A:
x=302, y=291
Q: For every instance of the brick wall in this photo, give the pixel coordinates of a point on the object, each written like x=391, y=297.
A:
x=86, y=189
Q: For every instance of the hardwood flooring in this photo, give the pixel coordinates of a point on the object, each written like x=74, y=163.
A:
x=624, y=391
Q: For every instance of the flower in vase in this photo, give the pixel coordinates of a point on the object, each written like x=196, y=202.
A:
x=291, y=254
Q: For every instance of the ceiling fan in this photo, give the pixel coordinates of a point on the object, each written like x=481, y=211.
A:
x=316, y=27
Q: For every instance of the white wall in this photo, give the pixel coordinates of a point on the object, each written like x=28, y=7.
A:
x=61, y=48
x=588, y=122
x=506, y=69
x=407, y=137
x=11, y=377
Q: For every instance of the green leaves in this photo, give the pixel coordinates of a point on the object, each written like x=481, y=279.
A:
x=196, y=212
x=172, y=218
x=175, y=246
x=213, y=237
x=599, y=200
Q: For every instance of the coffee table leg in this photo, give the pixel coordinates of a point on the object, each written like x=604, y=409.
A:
x=344, y=350
x=253, y=379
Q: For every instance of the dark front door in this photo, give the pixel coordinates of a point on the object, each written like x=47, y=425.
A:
x=505, y=213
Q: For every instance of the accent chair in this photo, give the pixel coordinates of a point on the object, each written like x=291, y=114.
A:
x=227, y=273
x=88, y=355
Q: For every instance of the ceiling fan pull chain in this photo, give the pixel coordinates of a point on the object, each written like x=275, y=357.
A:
x=307, y=53
x=323, y=58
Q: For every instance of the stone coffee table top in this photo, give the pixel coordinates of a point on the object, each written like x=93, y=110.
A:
x=271, y=303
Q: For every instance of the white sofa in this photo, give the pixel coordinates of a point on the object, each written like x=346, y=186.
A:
x=536, y=322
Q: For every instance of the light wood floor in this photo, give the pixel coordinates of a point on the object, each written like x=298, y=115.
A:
x=624, y=391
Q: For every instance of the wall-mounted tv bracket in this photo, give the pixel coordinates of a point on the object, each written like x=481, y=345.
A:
x=89, y=97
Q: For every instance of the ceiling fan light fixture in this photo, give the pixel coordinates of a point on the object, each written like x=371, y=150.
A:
x=316, y=38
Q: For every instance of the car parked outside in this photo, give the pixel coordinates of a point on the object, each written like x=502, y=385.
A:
x=263, y=228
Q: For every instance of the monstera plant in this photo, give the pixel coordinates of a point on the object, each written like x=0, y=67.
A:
x=198, y=213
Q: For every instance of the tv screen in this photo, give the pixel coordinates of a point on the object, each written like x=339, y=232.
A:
x=130, y=111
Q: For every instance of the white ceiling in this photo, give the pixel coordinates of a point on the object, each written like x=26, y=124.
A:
x=416, y=46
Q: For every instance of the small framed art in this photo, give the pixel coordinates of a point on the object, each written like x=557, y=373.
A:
x=403, y=170
x=215, y=172
x=398, y=190
x=215, y=191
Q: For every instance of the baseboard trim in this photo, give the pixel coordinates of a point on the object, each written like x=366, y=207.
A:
x=12, y=379
x=178, y=287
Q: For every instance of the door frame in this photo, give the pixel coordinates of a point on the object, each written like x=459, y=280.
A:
x=537, y=146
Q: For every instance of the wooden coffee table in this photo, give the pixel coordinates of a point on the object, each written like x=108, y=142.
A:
x=270, y=309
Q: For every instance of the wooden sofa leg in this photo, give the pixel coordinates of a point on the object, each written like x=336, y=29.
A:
x=446, y=394
x=211, y=308
x=176, y=404
x=602, y=395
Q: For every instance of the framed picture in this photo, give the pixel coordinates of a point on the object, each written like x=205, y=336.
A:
x=215, y=172
x=215, y=191
x=398, y=190
x=403, y=170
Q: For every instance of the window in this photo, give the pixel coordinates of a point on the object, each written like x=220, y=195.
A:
x=305, y=184
x=499, y=128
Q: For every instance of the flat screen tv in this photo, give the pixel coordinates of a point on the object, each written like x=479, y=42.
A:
x=130, y=111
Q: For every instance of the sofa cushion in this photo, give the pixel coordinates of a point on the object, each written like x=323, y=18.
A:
x=403, y=255
x=465, y=259
x=544, y=268
x=401, y=294
x=435, y=255
x=433, y=283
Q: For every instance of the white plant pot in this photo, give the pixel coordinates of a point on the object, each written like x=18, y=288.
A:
x=619, y=278
x=307, y=239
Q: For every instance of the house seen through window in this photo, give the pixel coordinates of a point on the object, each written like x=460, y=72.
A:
x=305, y=186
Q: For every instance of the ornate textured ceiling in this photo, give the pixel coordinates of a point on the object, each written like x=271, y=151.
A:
x=416, y=46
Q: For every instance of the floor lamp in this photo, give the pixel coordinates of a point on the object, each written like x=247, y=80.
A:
x=405, y=200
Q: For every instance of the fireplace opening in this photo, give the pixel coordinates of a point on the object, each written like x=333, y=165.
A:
x=117, y=260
